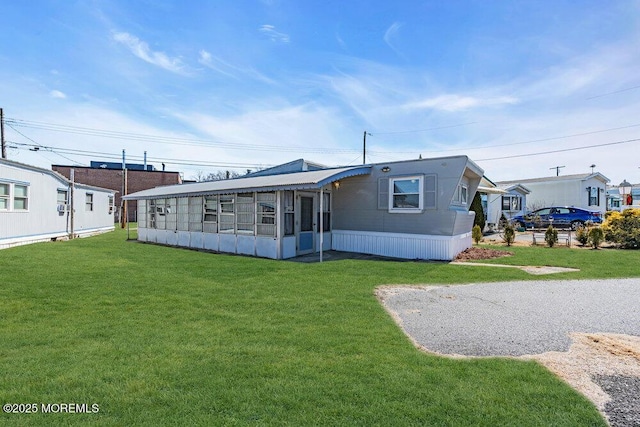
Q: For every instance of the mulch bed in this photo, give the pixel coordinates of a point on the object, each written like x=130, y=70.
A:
x=475, y=253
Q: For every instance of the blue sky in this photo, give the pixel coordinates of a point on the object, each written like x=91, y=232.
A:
x=520, y=87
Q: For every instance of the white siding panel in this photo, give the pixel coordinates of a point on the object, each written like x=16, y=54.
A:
x=267, y=247
x=152, y=235
x=246, y=245
x=184, y=238
x=161, y=237
x=397, y=245
x=227, y=243
x=143, y=234
x=211, y=241
x=172, y=237
x=288, y=247
x=197, y=240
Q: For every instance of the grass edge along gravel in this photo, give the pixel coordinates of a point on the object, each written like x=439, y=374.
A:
x=166, y=336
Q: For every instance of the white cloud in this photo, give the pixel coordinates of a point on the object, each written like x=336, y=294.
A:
x=270, y=32
x=454, y=103
x=390, y=34
x=57, y=94
x=223, y=67
x=142, y=50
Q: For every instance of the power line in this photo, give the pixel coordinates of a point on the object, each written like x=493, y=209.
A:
x=554, y=138
x=612, y=93
x=558, y=151
x=258, y=147
x=115, y=156
x=170, y=140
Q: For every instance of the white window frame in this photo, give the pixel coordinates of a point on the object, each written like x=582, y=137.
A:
x=461, y=196
x=25, y=198
x=88, y=202
x=6, y=196
x=266, y=222
x=511, y=198
x=63, y=201
x=420, y=193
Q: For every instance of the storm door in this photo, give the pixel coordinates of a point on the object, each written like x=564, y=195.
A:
x=306, y=232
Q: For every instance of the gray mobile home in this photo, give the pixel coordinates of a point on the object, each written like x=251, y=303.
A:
x=414, y=209
x=36, y=205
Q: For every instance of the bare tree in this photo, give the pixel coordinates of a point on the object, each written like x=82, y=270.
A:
x=215, y=176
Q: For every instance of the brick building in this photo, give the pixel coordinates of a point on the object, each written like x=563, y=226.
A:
x=110, y=175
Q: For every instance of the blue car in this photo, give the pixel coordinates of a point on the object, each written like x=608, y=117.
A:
x=558, y=216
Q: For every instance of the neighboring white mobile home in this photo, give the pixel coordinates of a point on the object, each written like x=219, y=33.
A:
x=36, y=205
x=415, y=209
x=510, y=203
x=586, y=191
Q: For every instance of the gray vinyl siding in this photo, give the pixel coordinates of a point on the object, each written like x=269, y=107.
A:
x=361, y=203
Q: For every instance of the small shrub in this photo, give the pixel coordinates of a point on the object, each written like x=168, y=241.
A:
x=623, y=228
x=476, y=234
x=551, y=236
x=503, y=222
x=509, y=234
x=596, y=236
x=582, y=235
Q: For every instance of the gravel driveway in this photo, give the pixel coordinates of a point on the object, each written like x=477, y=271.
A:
x=586, y=331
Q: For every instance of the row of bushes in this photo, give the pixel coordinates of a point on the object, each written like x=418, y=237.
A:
x=620, y=228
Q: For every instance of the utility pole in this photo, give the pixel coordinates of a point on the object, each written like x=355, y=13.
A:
x=4, y=146
x=557, y=168
x=364, y=147
x=72, y=178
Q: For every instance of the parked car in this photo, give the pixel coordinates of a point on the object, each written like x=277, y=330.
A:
x=558, y=216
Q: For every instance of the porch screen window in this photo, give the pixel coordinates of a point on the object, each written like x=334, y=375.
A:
x=326, y=212
x=289, y=213
x=151, y=212
x=142, y=213
x=227, y=214
x=266, y=207
x=406, y=194
x=4, y=196
x=245, y=213
x=195, y=213
x=88, y=202
x=170, y=214
x=161, y=215
x=183, y=214
x=210, y=214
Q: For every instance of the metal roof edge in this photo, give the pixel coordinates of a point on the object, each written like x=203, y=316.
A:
x=340, y=173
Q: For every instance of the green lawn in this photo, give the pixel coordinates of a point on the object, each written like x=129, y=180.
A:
x=165, y=336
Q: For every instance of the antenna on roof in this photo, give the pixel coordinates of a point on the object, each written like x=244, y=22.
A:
x=592, y=167
x=557, y=168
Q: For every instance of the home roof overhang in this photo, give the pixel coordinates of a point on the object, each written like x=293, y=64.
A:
x=311, y=180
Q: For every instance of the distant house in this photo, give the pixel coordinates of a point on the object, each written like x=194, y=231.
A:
x=111, y=175
x=510, y=202
x=615, y=202
x=414, y=209
x=587, y=191
x=37, y=205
